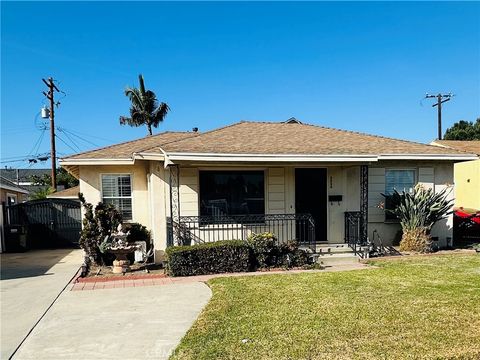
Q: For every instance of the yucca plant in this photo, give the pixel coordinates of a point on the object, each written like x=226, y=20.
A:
x=418, y=211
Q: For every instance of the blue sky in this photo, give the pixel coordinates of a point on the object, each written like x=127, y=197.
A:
x=356, y=66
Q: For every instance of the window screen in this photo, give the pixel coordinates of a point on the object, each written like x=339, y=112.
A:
x=117, y=190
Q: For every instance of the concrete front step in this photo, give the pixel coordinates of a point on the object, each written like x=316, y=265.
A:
x=337, y=258
x=333, y=249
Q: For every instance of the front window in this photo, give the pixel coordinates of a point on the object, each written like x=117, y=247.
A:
x=117, y=190
x=400, y=180
x=232, y=193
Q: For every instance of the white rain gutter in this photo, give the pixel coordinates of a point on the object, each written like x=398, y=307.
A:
x=269, y=157
x=458, y=157
x=170, y=158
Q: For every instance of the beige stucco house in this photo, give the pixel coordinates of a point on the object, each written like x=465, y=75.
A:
x=304, y=182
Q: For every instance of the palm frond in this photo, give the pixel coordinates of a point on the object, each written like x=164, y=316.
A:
x=145, y=108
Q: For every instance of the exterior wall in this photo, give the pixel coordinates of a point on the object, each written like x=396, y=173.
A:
x=159, y=206
x=467, y=184
x=21, y=197
x=280, y=198
x=436, y=175
x=90, y=186
x=151, y=194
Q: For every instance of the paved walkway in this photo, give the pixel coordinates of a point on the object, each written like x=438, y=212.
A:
x=148, y=280
x=29, y=284
x=126, y=323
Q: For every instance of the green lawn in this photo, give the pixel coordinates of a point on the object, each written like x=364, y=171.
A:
x=415, y=307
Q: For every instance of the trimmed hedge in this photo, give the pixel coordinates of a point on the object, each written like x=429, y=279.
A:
x=209, y=258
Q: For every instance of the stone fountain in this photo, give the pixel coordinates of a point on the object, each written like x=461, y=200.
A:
x=120, y=247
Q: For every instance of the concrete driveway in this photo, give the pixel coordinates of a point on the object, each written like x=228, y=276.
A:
x=120, y=323
x=29, y=283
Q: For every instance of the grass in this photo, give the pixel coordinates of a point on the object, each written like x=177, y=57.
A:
x=416, y=307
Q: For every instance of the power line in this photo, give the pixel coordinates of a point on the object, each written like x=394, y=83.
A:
x=63, y=141
x=88, y=135
x=69, y=138
x=78, y=136
x=37, y=143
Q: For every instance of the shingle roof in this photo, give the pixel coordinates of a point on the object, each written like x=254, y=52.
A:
x=248, y=137
x=24, y=175
x=66, y=193
x=7, y=184
x=126, y=149
x=471, y=146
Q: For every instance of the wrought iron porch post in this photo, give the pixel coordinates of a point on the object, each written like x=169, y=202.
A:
x=175, y=202
x=363, y=203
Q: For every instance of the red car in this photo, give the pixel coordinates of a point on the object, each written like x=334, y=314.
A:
x=466, y=224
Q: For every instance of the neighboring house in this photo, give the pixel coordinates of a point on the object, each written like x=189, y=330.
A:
x=70, y=193
x=11, y=193
x=23, y=177
x=304, y=182
x=467, y=174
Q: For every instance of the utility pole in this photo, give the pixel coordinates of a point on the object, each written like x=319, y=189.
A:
x=50, y=96
x=441, y=98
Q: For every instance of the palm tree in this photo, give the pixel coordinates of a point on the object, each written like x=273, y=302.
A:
x=145, y=108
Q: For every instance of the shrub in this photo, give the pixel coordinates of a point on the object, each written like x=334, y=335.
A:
x=292, y=256
x=418, y=212
x=416, y=240
x=267, y=253
x=98, y=223
x=265, y=250
x=209, y=258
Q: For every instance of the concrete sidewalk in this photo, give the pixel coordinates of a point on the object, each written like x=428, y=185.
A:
x=29, y=284
x=122, y=323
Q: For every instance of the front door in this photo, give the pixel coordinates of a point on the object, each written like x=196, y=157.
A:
x=311, y=198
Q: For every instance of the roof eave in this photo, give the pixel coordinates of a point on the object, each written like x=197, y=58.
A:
x=175, y=156
x=450, y=157
x=16, y=189
x=97, y=161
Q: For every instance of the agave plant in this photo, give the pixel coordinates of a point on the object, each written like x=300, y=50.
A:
x=418, y=211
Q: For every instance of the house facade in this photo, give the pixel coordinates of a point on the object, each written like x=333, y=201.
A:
x=299, y=181
x=11, y=193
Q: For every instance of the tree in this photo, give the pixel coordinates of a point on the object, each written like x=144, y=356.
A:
x=64, y=178
x=41, y=193
x=145, y=108
x=463, y=130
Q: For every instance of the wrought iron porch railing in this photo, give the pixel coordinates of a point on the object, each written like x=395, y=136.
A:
x=353, y=233
x=199, y=229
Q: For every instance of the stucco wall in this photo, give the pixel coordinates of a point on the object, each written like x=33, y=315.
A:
x=467, y=184
x=90, y=186
x=151, y=194
x=21, y=197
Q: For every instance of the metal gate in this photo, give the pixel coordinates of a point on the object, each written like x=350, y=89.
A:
x=49, y=223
